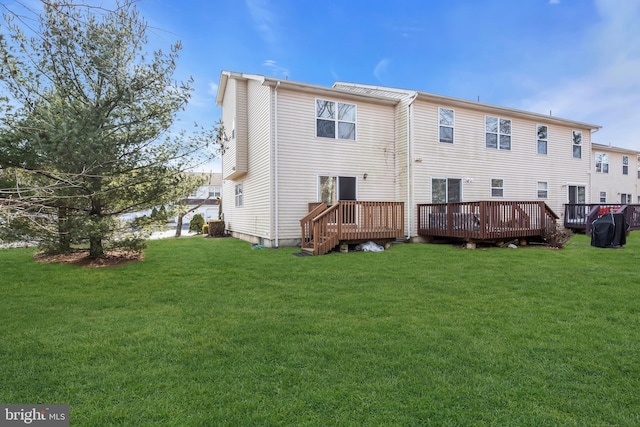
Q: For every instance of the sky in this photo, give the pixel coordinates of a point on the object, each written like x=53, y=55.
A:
x=575, y=59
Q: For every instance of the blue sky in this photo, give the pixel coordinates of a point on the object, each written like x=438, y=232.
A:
x=578, y=59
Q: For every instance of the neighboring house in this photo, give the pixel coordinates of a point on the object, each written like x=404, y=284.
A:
x=206, y=198
x=614, y=175
x=290, y=144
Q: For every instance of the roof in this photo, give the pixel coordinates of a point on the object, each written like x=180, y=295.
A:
x=463, y=103
x=609, y=147
x=390, y=96
x=300, y=87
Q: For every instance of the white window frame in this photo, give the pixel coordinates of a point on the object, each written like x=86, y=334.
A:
x=214, y=191
x=543, y=190
x=626, y=198
x=625, y=165
x=444, y=124
x=498, y=133
x=337, y=120
x=603, y=197
x=540, y=139
x=601, y=162
x=447, y=181
x=576, y=144
x=239, y=195
x=496, y=189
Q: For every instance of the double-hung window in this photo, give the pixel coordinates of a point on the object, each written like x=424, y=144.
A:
x=625, y=165
x=335, y=120
x=542, y=131
x=497, y=187
x=446, y=121
x=543, y=190
x=602, y=162
x=498, y=133
x=577, y=144
x=239, y=195
x=603, y=197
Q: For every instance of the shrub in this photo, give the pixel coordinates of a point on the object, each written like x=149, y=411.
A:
x=558, y=237
x=196, y=223
x=205, y=229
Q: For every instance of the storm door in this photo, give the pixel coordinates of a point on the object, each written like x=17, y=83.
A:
x=577, y=210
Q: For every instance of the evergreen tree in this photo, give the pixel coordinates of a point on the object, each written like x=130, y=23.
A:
x=84, y=119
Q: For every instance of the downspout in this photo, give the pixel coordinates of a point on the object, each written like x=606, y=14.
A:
x=409, y=166
x=275, y=155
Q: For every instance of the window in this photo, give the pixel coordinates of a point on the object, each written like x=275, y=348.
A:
x=446, y=190
x=543, y=190
x=542, y=139
x=602, y=163
x=497, y=187
x=335, y=120
x=625, y=165
x=577, y=144
x=603, y=197
x=239, y=193
x=626, y=198
x=214, y=191
x=498, y=133
x=446, y=119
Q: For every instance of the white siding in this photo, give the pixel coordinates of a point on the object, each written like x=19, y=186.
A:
x=520, y=168
x=614, y=183
x=303, y=157
x=254, y=217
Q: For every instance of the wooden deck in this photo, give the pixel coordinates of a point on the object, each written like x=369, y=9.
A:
x=579, y=217
x=324, y=228
x=486, y=220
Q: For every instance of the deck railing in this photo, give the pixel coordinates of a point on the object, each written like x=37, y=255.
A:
x=580, y=216
x=325, y=227
x=486, y=220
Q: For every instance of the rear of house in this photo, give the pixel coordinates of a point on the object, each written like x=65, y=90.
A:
x=292, y=145
x=614, y=175
x=459, y=151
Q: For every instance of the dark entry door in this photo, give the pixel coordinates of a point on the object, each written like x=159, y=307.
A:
x=347, y=191
x=346, y=188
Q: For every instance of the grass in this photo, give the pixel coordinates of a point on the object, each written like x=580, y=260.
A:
x=211, y=332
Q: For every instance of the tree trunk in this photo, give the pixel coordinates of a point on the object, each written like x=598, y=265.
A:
x=64, y=239
x=95, y=247
x=95, y=234
x=179, y=224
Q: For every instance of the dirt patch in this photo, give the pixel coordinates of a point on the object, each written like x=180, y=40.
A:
x=81, y=258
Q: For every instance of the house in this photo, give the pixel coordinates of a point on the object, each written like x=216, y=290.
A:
x=614, y=179
x=205, y=199
x=614, y=175
x=291, y=146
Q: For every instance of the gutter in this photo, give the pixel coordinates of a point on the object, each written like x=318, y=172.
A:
x=409, y=164
x=275, y=154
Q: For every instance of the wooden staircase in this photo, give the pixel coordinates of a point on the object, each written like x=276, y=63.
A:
x=325, y=227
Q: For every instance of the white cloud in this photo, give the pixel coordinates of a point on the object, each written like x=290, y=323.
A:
x=275, y=69
x=213, y=88
x=263, y=18
x=608, y=93
x=554, y=1
x=380, y=69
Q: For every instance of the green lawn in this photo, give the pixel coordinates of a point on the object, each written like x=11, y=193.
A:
x=211, y=332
